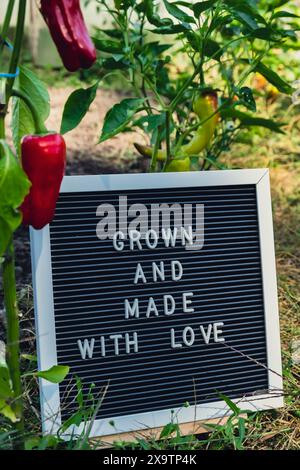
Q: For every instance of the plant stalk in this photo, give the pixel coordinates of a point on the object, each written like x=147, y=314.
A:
x=17, y=46
x=168, y=147
x=5, y=26
x=13, y=347
x=6, y=23
x=155, y=151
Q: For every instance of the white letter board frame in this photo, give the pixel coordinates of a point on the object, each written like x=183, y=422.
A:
x=44, y=309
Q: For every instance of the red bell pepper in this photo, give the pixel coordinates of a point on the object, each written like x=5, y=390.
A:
x=68, y=30
x=43, y=160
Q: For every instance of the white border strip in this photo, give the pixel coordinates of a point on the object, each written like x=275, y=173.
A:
x=45, y=325
x=268, y=265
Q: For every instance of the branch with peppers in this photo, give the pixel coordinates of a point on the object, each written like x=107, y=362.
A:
x=205, y=107
x=203, y=104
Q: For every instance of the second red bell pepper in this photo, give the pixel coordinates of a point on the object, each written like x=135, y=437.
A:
x=69, y=32
x=43, y=160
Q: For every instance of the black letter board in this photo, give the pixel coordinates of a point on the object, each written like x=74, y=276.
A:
x=157, y=324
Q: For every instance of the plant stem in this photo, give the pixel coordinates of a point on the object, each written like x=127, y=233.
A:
x=152, y=87
x=6, y=25
x=17, y=46
x=168, y=148
x=155, y=151
x=13, y=347
x=7, y=20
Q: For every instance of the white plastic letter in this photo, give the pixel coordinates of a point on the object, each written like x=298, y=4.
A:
x=176, y=276
x=87, y=348
x=132, y=310
x=217, y=332
x=186, y=302
x=169, y=310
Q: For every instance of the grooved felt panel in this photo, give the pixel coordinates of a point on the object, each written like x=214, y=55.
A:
x=91, y=281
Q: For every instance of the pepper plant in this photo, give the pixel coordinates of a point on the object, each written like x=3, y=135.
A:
x=174, y=54
x=190, y=111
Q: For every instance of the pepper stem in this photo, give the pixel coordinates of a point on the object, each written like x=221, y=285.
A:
x=38, y=123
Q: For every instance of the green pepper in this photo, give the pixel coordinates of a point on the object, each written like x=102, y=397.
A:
x=204, y=106
x=146, y=151
x=178, y=164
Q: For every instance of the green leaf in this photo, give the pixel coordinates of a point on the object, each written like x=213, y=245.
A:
x=168, y=429
x=246, y=97
x=77, y=106
x=7, y=411
x=230, y=404
x=242, y=429
x=22, y=121
x=113, y=33
x=74, y=420
x=112, y=47
x=212, y=49
x=274, y=79
x=200, y=7
x=149, y=7
x=266, y=34
x=29, y=357
x=184, y=4
x=119, y=116
x=277, y=4
x=32, y=443
x=6, y=390
x=150, y=123
x=247, y=120
x=284, y=14
x=179, y=14
x=172, y=29
x=14, y=186
x=41, y=443
x=245, y=19
x=55, y=374
x=154, y=49
x=48, y=441
x=288, y=33
x=245, y=12
x=114, y=64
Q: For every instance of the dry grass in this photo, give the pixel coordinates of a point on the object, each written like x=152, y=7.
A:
x=281, y=429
